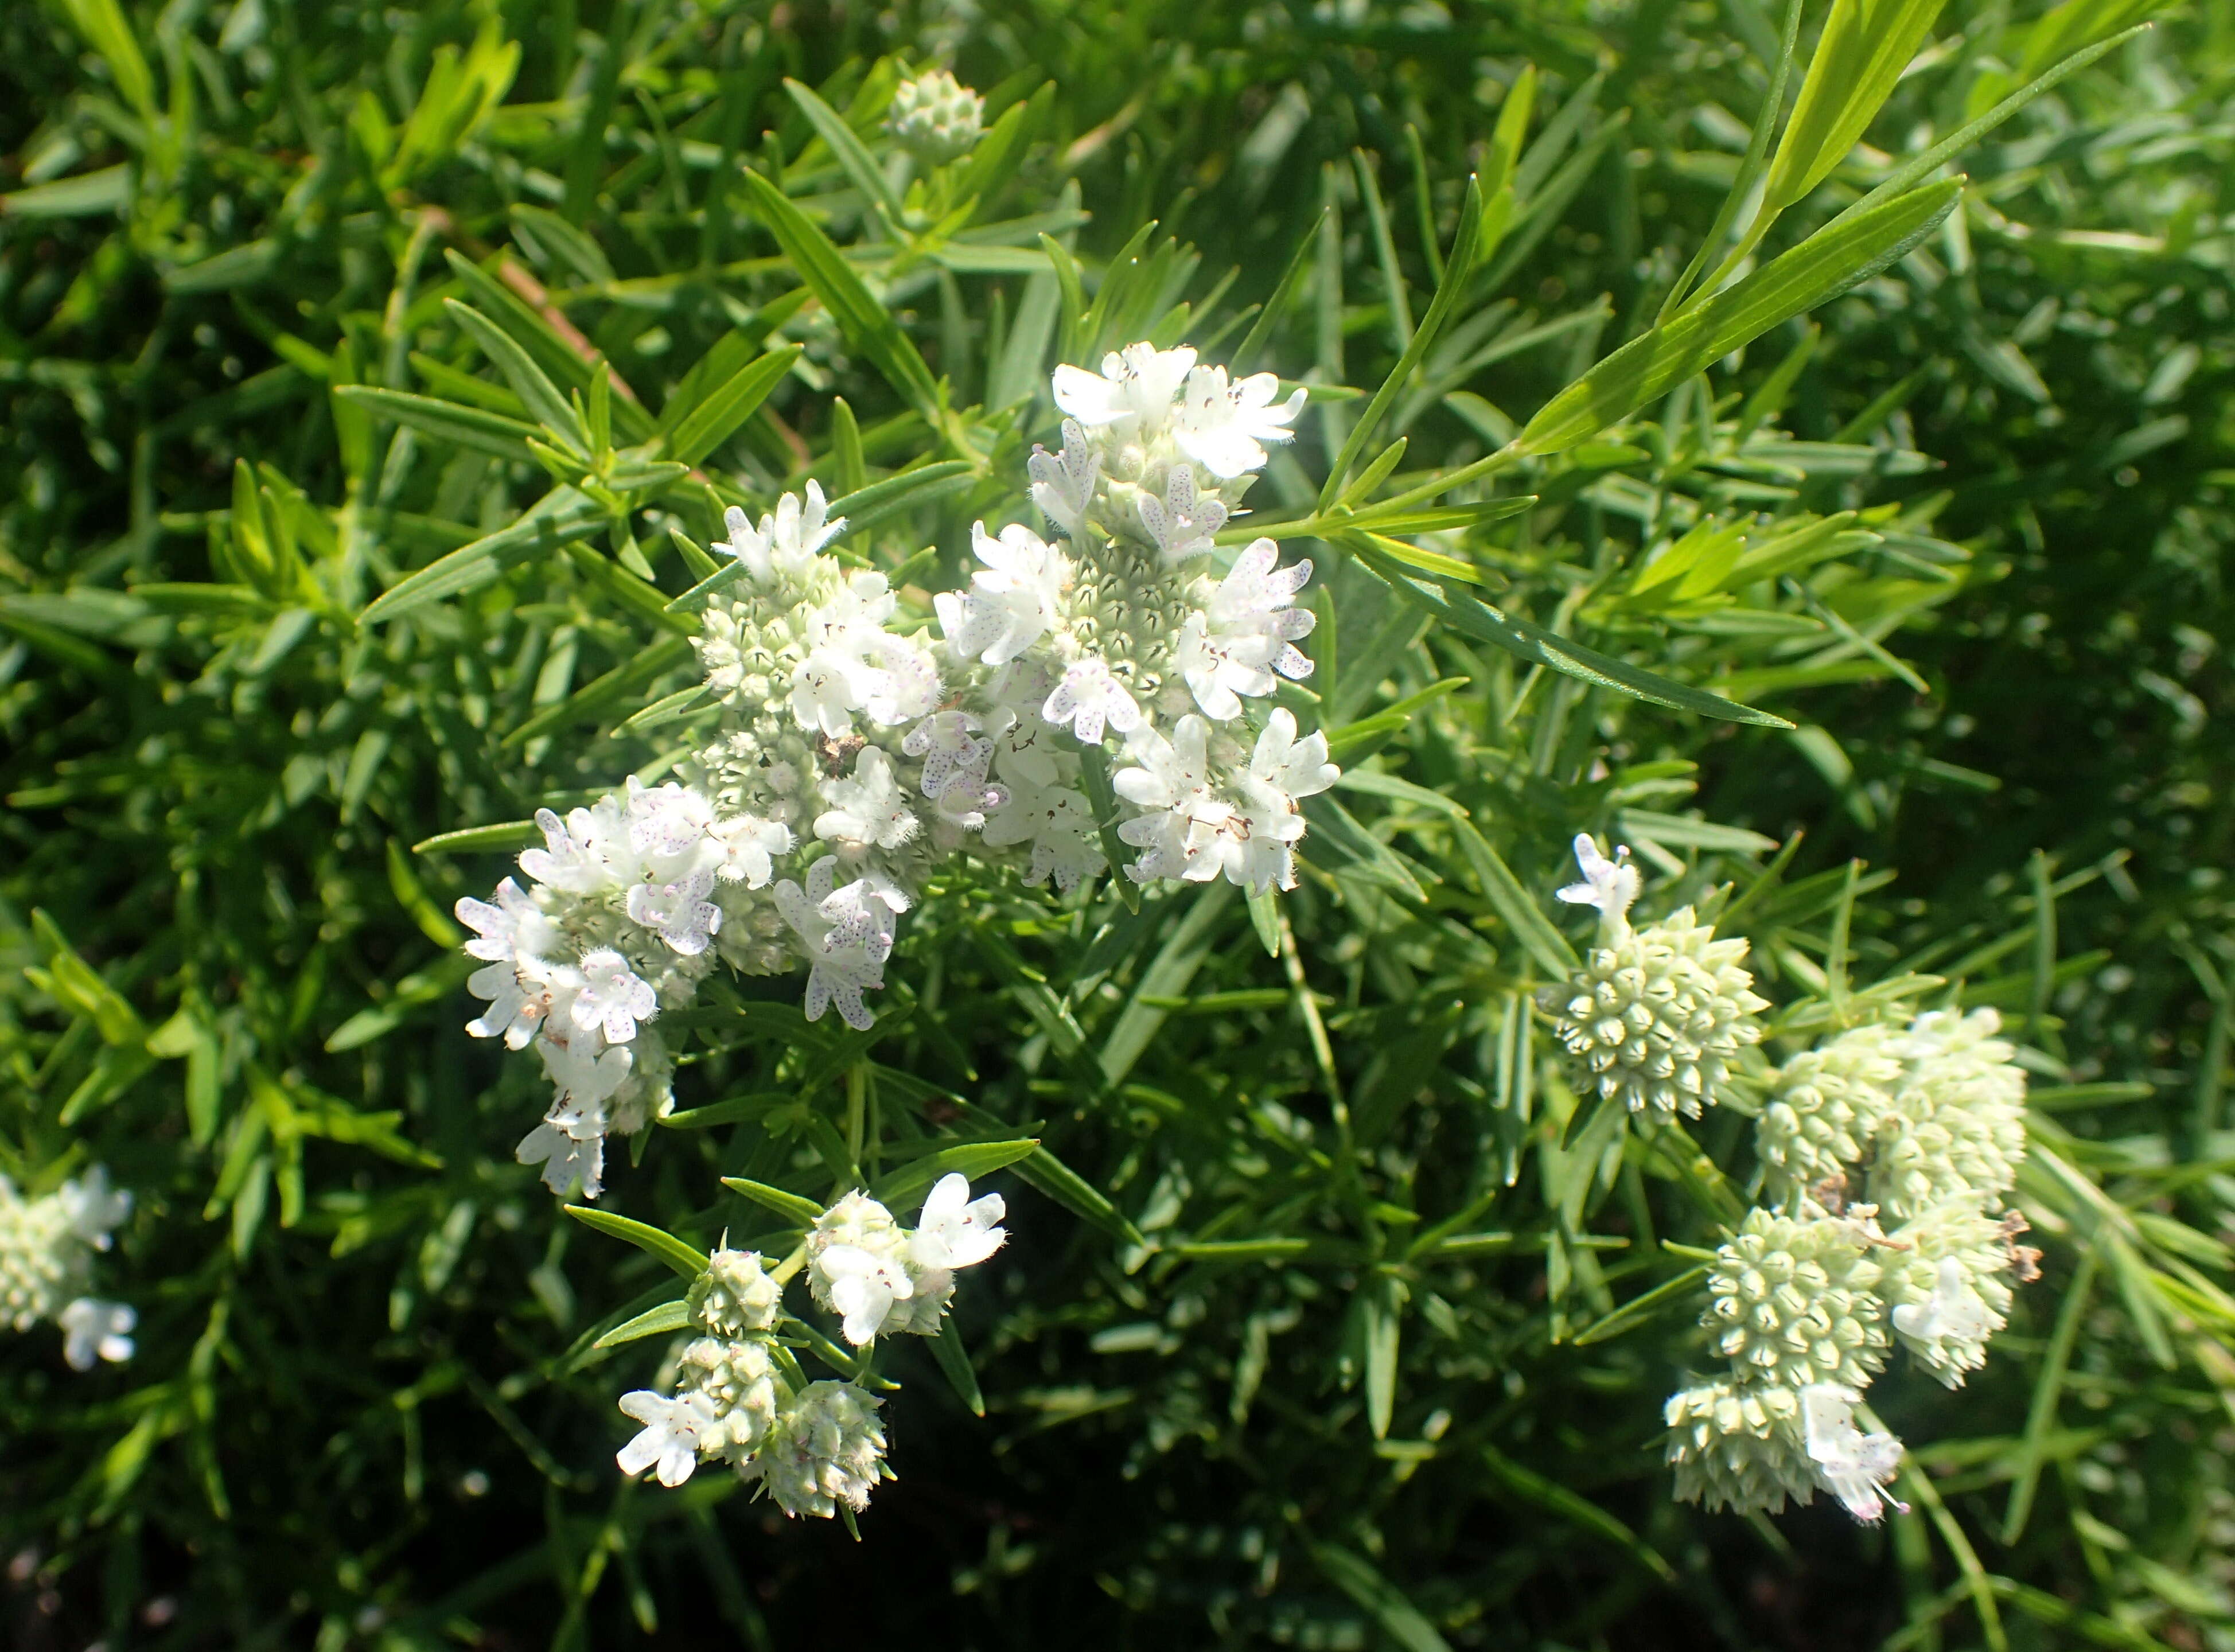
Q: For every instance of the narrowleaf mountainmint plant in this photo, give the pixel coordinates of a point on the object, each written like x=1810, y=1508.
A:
x=47, y=1247
x=860, y=743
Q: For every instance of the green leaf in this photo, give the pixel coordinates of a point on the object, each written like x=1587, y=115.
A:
x=710, y=422
x=1865, y=47
x=559, y=518
x=1379, y=1598
x=684, y=1259
x=1512, y=903
x=968, y=1159
x=1380, y=1304
x=1557, y=1499
x=868, y=326
x=852, y=154
x=1542, y=647
x=1634, y=1312
x=447, y=421
x=1824, y=266
x=954, y=1361
x=793, y=1209
x=108, y=190
x=668, y=1316
x=504, y=835
x=1044, y=1170
x=601, y=699
x=536, y=391
x=1439, y=310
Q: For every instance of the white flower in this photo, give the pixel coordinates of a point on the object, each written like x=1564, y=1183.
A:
x=1063, y=483
x=521, y=996
x=1133, y=393
x=566, y=1161
x=672, y=1429
x=1057, y=822
x=822, y=692
x=786, y=543
x=1013, y=602
x=613, y=997
x=955, y=1231
x=587, y=854
x=1025, y=750
x=1281, y=769
x=1219, y=670
x=1089, y=697
x=583, y=1079
x=1220, y=425
x=514, y=925
x=91, y=1208
x=836, y=974
x=861, y=914
x=94, y=1329
x=746, y=845
x=1954, y=1311
x=868, y=809
x=1180, y=836
x=1180, y=523
x=1609, y=885
x=680, y=913
x=1852, y=1466
x=862, y=1287
x=1254, y=600
x=953, y=753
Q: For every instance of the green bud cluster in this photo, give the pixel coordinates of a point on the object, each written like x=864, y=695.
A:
x=1738, y=1446
x=1825, y=1109
x=1958, y=1126
x=740, y=1378
x=1658, y=1015
x=1807, y=1299
x=735, y=1297
x=936, y=118
x=43, y=1264
x=826, y=1447
x=1792, y=1301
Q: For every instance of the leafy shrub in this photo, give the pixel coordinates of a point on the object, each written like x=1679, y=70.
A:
x=1331, y=1313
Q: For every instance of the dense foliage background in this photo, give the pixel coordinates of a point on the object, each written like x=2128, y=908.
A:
x=363, y=1411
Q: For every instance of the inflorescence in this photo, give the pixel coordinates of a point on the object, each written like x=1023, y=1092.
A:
x=47, y=1247
x=1808, y=1299
x=740, y=1397
x=861, y=742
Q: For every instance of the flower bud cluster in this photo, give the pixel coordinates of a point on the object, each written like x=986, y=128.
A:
x=740, y=1398
x=1657, y=1015
x=935, y=118
x=861, y=742
x=1807, y=1299
x=47, y=1247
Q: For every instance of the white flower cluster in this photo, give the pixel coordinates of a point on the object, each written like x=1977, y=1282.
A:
x=740, y=1397
x=616, y=923
x=47, y=1246
x=861, y=742
x=1807, y=1300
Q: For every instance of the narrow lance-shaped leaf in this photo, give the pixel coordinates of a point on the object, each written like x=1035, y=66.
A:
x=1821, y=267
x=1865, y=47
x=1542, y=647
